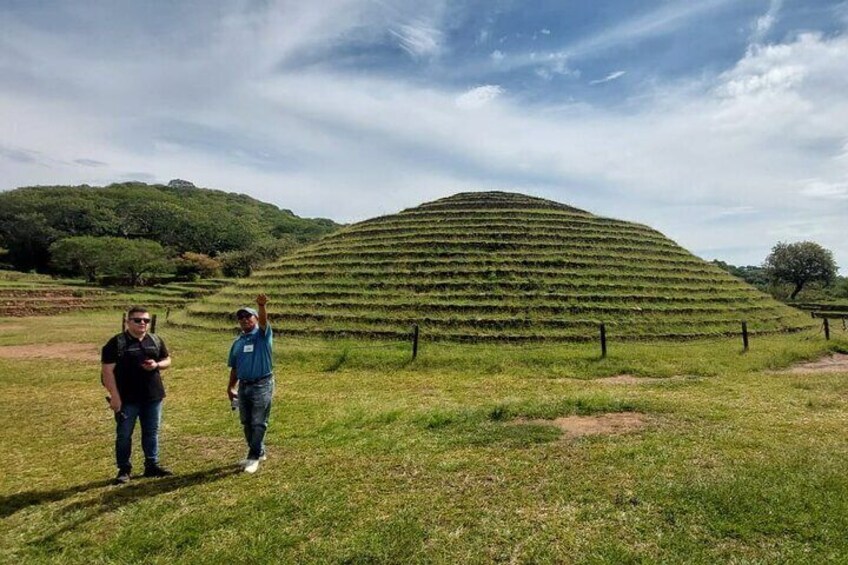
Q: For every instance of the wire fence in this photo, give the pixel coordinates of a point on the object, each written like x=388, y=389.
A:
x=413, y=340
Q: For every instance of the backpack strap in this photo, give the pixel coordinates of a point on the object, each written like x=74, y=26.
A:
x=121, y=343
x=157, y=341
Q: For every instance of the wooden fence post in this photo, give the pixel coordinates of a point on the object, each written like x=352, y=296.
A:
x=745, y=336
x=123, y=322
x=153, y=324
x=603, y=340
x=826, y=330
x=414, y=341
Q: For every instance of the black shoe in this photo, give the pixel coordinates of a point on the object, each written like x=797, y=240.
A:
x=155, y=470
x=123, y=477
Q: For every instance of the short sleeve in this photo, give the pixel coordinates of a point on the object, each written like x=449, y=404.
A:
x=163, y=350
x=109, y=353
x=231, y=361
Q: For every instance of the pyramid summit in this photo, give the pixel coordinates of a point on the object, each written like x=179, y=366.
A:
x=480, y=266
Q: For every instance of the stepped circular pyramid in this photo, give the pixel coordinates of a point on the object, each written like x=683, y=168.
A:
x=498, y=266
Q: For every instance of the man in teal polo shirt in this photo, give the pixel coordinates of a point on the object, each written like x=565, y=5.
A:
x=251, y=366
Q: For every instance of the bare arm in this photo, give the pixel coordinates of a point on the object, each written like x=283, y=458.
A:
x=232, y=391
x=108, y=372
x=261, y=301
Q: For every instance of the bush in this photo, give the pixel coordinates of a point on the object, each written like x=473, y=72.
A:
x=243, y=263
x=193, y=266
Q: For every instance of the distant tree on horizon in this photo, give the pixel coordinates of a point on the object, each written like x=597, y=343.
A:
x=799, y=264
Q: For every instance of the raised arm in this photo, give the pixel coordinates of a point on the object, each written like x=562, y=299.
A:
x=261, y=301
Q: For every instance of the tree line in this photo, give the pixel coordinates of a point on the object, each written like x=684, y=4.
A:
x=128, y=231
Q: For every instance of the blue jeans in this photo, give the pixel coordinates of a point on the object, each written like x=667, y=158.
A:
x=254, y=411
x=149, y=414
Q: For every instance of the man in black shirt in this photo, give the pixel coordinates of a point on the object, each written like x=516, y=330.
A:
x=132, y=362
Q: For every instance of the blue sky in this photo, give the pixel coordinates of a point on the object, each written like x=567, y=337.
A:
x=724, y=124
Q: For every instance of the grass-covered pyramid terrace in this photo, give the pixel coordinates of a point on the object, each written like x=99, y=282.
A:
x=498, y=266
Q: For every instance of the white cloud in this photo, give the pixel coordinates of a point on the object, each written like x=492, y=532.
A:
x=817, y=188
x=735, y=211
x=419, y=39
x=763, y=25
x=550, y=65
x=497, y=56
x=669, y=17
x=479, y=96
x=609, y=77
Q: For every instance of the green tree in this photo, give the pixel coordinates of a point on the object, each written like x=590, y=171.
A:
x=800, y=263
x=27, y=237
x=117, y=258
x=133, y=259
x=82, y=255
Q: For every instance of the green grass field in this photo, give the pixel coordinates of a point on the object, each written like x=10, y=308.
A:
x=451, y=458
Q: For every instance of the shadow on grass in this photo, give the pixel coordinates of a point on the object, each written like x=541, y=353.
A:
x=112, y=498
x=119, y=496
x=12, y=503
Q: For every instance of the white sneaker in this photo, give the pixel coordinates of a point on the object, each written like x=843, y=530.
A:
x=252, y=466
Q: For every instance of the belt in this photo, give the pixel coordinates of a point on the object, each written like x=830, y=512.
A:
x=259, y=380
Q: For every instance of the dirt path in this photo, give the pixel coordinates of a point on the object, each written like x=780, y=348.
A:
x=632, y=380
x=836, y=363
x=69, y=351
x=603, y=424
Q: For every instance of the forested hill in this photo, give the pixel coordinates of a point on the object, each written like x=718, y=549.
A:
x=179, y=216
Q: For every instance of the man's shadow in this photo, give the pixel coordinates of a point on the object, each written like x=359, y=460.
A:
x=126, y=494
x=115, y=497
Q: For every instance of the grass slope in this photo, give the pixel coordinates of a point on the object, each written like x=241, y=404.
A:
x=500, y=266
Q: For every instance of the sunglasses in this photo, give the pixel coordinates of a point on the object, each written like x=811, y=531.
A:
x=140, y=320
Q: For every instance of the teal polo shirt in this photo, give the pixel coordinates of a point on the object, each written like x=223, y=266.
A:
x=250, y=354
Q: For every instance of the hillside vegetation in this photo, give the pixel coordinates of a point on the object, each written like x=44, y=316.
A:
x=180, y=217
x=500, y=266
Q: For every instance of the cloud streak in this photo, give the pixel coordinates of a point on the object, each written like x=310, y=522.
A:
x=610, y=77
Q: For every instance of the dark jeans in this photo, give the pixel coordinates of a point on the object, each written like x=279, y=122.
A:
x=254, y=411
x=149, y=414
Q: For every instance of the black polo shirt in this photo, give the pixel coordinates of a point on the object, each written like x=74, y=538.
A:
x=134, y=383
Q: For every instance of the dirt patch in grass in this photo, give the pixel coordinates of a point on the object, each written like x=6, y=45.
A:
x=836, y=363
x=603, y=424
x=69, y=351
x=621, y=380
x=632, y=380
x=11, y=328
